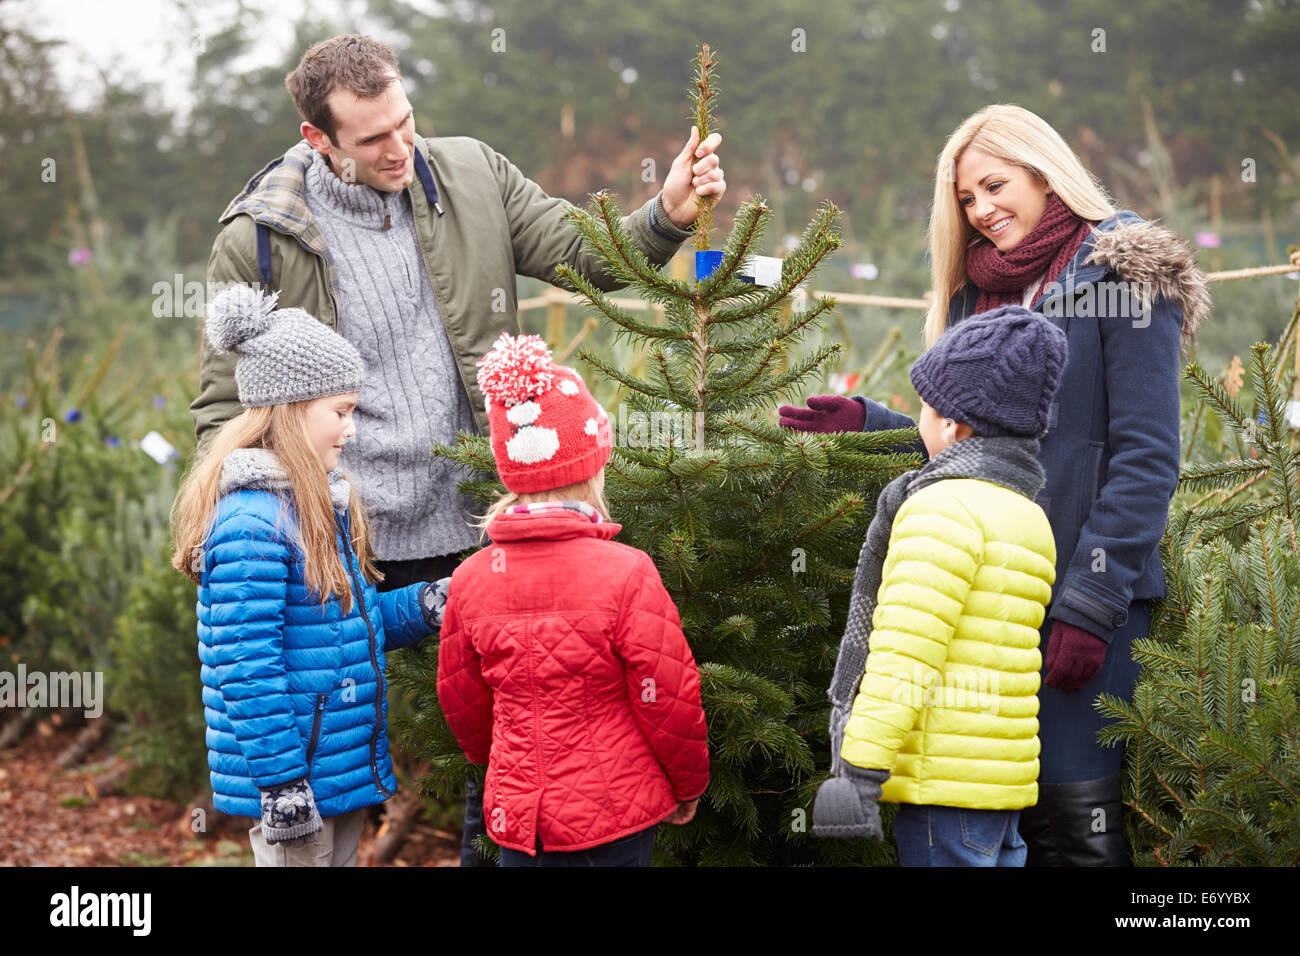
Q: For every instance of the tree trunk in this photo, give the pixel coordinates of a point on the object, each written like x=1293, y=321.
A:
x=396, y=827
x=90, y=737
x=16, y=729
x=208, y=821
x=108, y=782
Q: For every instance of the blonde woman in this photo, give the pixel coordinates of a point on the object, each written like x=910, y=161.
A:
x=292, y=632
x=1018, y=220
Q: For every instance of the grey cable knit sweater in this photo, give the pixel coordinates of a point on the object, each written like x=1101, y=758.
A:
x=413, y=395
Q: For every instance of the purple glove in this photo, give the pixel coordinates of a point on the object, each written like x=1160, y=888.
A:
x=825, y=413
x=1073, y=657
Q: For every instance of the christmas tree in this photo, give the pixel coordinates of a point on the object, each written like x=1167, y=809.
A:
x=1213, y=766
x=755, y=529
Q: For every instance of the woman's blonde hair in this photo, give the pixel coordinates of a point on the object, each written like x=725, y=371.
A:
x=281, y=429
x=1014, y=135
x=591, y=491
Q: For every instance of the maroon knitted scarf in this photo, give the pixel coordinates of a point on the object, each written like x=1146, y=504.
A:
x=1049, y=247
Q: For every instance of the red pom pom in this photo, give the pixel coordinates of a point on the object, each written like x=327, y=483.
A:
x=517, y=368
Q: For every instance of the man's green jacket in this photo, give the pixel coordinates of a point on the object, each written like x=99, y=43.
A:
x=495, y=224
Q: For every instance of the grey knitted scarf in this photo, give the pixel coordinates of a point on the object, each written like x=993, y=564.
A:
x=260, y=468
x=1010, y=462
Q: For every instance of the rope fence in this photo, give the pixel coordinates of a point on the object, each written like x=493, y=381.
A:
x=554, y=297
x=556, y=302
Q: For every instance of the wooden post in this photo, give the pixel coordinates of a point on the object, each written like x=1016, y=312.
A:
x=556, y=312
x=95, y=242
x=787, y=316
x=1216, y=216
x=679, y=267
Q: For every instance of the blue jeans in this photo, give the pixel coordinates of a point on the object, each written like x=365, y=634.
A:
x=469, y=855
x=954, y=836
x=631, y=850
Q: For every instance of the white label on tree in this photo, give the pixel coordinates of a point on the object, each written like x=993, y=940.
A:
x=764, y=270
x=157, y=448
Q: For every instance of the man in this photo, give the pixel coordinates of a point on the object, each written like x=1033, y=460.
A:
x=409, y=248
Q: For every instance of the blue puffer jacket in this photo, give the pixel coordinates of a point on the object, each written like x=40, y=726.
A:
x=1111, y=452
x=292, y=688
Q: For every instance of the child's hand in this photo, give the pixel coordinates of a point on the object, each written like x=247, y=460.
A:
x=684, y=813
x=848, y=804
x=289, y=814
x=433, y=602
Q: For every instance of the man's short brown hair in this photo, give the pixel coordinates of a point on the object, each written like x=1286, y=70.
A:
x=353, y=62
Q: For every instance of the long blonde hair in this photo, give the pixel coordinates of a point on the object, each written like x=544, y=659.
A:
x=1014, y=135
x=589, y=491
x=281, y=429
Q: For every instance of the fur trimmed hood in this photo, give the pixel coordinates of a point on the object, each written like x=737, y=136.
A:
x=1153, y=257
x=259, y=468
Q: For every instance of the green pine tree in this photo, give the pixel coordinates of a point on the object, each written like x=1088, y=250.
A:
x=81, y=512
x=155, y=682
x=755, y=529
x=1213, y=732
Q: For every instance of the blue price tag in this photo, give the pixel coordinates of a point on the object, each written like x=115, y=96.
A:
x=706, y=261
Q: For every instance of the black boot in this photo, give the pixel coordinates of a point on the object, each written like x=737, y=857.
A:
x=1076, y=824
x=1036, y=829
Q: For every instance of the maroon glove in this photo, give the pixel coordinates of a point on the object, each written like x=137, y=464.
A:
x=825, y=413
x=1073, y=656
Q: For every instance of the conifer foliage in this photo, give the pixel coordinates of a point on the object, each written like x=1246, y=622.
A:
x=755, y=529
x=1213, y=732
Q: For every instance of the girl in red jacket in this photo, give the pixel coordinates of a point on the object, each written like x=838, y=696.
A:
x=562, y=663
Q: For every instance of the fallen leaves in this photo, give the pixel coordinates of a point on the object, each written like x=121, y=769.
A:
x=54, y=817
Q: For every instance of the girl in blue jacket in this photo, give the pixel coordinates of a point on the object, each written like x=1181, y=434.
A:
x=1018, y=220
x=292, y=632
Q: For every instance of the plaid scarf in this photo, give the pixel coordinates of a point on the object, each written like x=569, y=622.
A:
x=539, y=507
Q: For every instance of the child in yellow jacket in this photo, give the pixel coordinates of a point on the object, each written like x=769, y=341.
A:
x=951, y=588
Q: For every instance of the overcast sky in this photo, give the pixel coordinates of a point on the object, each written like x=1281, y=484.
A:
x=152, y=39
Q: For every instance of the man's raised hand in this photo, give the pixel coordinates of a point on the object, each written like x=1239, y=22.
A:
x=696, y=172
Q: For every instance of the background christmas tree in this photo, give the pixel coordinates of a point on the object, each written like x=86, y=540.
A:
x=755, y=529
x=1213, y=732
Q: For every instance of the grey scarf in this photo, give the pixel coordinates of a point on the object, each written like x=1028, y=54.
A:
x=1009, y=462
x=260, y=468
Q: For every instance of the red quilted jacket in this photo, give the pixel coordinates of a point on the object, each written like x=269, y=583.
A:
x=563, y=667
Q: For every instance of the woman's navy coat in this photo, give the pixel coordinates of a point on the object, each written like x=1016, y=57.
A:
x=1111, y=451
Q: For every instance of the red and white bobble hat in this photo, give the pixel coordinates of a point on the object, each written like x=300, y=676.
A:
x=547, y=430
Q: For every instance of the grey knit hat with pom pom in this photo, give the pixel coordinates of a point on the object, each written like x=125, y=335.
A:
x=285, y=355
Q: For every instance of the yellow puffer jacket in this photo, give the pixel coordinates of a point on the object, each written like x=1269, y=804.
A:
x=948, y=703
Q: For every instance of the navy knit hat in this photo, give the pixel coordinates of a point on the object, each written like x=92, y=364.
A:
x=996, y=372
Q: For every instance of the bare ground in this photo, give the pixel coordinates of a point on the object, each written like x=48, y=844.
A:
x=54, y=817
